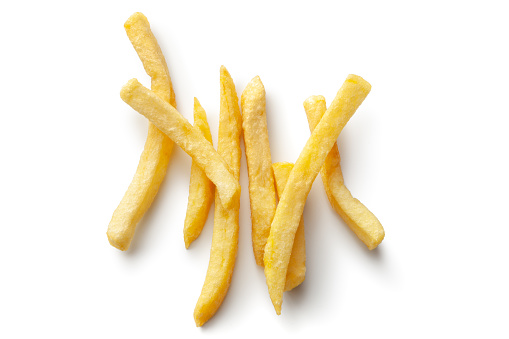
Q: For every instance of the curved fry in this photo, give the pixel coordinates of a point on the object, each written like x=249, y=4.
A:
x=291, y=205
x=158, y=147
x=262, y=193
x=360, y=220
x=201, y=189
x=225, y=235
x=297, y=265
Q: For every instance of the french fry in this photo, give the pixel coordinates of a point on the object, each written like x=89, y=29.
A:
x=158, y=147
x=297, y=265
x=291, y=205
x=262, y=193
x=360, y=220
x=225, y=235
x=201, y=189
x=187, y=137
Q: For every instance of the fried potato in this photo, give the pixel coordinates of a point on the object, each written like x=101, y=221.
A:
x=360, y=220
x=291, y=205
x=201, y=189
x=225, y=235
x=262, y=193
x=297, y=265
x=187, y=137
x=158, y=147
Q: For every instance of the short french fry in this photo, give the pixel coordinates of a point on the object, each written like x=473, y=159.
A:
x=158, y=147
x=291, y=205
x=187, y=137
x=360, y=220
x=262, y=193
x=201, y=189
x=297, y=265
x=225, y=235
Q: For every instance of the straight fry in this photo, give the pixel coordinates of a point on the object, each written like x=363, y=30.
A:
x=360, y=220
x=201, y=189
x=225, y=235
x=291, y=205
x=262, y=193
x=187, y=137
x=297, y=265
x=158, y=147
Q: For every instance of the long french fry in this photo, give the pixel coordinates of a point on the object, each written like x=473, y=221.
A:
x=291, y=205
x=201, y=189
x=297, y=265
x=360, y=220
x=158, y=147
x=262, y=193
x=225, y=235
x=187, y=137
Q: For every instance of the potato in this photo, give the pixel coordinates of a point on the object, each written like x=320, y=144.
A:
x=360, y=220
x=297, y=265
x=262, y=193
x=225, y=236
x=158, y=147
x=201, y=189
x=291, y=204
x=187, y=137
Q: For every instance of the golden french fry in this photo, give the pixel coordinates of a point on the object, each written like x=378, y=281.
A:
x=262, y=193
x=291, y=205
x=225, y=235
x=297, y=265
x=201, y=189
x=158, y=147
x=360, y=220
x=187, y=137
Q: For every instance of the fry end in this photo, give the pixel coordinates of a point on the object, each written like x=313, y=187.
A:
x=127, y=90
x=359, y=81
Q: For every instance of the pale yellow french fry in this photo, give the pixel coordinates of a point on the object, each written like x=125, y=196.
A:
x=297, y=265
x=360, y=220
x=225, y=235
x=158, y=147
x=262, y=193
x=187, y=137
x=201, y=189
x=291, y=205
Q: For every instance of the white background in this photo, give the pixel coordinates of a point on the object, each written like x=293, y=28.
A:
x=426, y=152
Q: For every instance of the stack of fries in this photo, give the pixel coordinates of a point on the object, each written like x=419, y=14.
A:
x=277, y=227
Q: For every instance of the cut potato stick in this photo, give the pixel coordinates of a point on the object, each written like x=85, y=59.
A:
x=262, y=193
x=187, y=137
x=291, y=205
x=360, y=220
x=201, y=189
x=225, y=235
x=158, y=147
x=297, y=265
